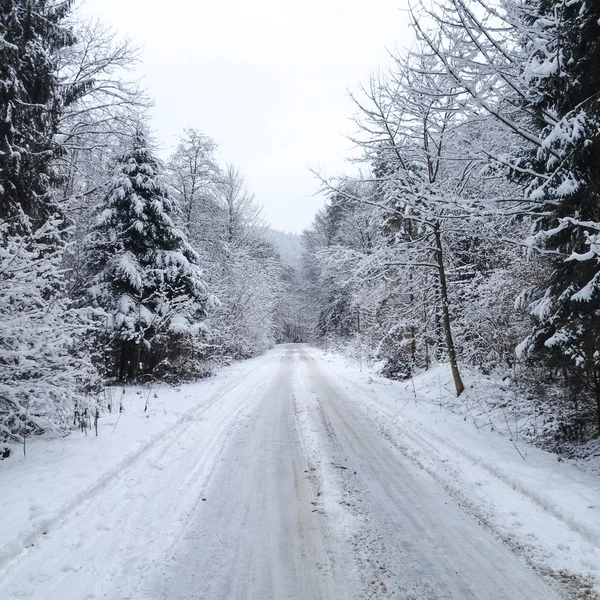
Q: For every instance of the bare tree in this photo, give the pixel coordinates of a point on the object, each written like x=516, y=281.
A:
x=405, y=123
x=103, y=102
x=242, y=214
x=192, y=175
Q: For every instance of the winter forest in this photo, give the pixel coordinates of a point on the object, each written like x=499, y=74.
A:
x=467, y=233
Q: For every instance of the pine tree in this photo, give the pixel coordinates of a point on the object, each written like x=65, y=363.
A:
x=563, y=72
x=31, y=32
x=42, y=375
x=144, y=273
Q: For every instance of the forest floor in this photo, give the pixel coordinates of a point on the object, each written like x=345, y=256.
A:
x=295, y=476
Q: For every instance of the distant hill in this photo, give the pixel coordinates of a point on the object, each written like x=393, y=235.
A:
x=289, y=246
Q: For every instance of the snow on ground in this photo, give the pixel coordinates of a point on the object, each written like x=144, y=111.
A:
x=59, y=474
x=292, y=476
x=541, y=505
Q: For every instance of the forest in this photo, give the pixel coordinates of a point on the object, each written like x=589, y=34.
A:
x=468, y=235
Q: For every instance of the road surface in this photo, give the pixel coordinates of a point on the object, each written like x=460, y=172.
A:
x=279, y=489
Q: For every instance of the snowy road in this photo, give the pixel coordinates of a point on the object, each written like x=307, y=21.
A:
x=279, y=489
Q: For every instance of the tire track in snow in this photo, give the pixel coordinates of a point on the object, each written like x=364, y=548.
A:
x=424, y=547
x=429, y=451
x=87, y=506
x=260, y=537
x=423, y=438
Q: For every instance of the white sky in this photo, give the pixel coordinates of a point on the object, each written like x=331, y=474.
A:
x=268, y=80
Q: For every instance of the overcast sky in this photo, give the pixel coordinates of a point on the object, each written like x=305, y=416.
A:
x=268, y=80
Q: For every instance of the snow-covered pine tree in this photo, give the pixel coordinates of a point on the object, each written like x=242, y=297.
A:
x=563, y=72
x=30, y=105
x=144, y=273
x=41, y=378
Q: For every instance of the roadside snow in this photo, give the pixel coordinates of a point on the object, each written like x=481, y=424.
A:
x=296, y=475
x=546, y=509
x=58, y=475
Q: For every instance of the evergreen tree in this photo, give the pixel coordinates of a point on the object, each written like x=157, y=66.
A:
x=563, y=72
x=144, y=273
x=42, y=374
x=30, y=105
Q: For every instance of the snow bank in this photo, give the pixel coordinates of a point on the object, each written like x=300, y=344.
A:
x=59, y=474
x=543, y=506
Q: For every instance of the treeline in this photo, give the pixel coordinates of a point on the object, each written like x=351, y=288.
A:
x=473, y=234
x=113, y=265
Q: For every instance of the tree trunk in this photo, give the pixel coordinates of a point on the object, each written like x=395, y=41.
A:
x=597, y=392
x=123, y=360
x=460, y=388
x=425, y=339
x=413, y=341
x=413, y=334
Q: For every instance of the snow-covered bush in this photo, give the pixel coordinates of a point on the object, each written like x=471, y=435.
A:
x=44, y=367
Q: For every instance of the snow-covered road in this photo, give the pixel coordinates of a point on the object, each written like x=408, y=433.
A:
x=278, y=489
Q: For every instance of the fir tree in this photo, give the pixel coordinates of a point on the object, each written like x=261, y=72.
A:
x=145, y=275
x=31, y=33
x=564, y=77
